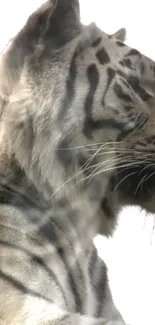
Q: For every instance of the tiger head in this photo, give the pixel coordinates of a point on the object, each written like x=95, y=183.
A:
x=76, y=103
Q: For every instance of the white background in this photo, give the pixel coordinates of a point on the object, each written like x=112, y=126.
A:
x=130, y=255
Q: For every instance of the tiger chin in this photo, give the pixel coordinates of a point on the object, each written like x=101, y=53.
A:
x=76, y=105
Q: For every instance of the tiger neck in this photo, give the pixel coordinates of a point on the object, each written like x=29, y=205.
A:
x=18, y=192
x=82, y=199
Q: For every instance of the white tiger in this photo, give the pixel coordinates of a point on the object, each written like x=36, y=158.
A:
x=71, y=97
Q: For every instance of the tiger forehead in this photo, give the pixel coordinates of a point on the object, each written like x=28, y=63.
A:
x=92, y=36
x=94, y=45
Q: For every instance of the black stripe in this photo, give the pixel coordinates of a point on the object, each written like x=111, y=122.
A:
x=113, y=124
x=121, y=44
x=36, y=259
x=71, y=281
x=111, y=74
x=135, y=84
x=106, y=209
x=101, y=287
x=127, y=63
x=99, y=284
x=154, y=71
x=18, y=200
x=50, y=233
x=92, y=263
x=93, y=79
x=137, y=127
x=97, y=42
x=124, y=134
x=120, y=93
x=121, y=73
x=71, y=79
x=106, y=123
x=19, y=286
x=64, y=153
x=10, y=196
x=103, y=56
x=49, y=230
x=142, y=68
x=133, y=52
x=70, y=86
x=125, y=82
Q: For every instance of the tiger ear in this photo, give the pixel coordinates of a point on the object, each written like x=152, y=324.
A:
x=54, y=24
x=120, y=35
x=56, y=20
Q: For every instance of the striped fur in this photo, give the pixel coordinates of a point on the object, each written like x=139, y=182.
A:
x=73, y=100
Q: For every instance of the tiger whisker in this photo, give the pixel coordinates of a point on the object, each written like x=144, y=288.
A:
x=140, y=183
x=149, y=176
x=136, y=164
x=116, y=187
x=114, y=167
x=90, y=145
x=148, y=166
x=114, y=161
x=81, y=171
x=113, y=152
x=104, y=170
